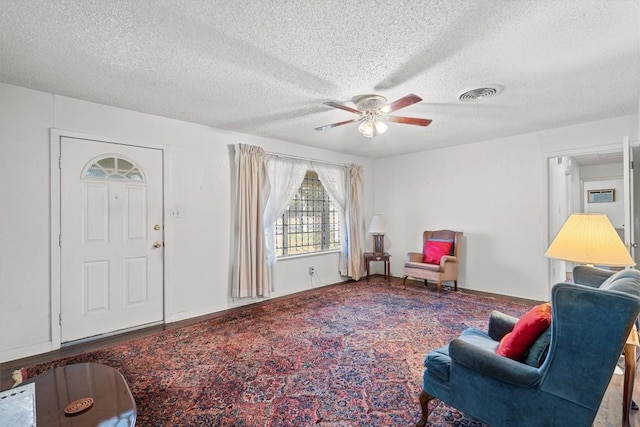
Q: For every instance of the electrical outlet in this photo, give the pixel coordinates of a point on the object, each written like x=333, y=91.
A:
x=312, y=271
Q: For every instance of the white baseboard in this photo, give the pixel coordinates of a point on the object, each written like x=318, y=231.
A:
x=19, y=353
x=202, y=311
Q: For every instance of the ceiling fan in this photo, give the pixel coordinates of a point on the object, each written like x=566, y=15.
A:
x=374, y=111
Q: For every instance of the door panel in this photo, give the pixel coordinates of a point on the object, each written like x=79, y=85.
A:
x=136, y=277
x=136, y=224
x=111, y=273
x=635, y=218
x=95, y=286
x=97, y=215
x=628, y=189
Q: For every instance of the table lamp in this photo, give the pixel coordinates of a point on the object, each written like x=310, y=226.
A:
x=590, y=239
x=378, y=227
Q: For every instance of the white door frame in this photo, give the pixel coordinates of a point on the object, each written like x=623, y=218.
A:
x=55, y=215
x=563, y=153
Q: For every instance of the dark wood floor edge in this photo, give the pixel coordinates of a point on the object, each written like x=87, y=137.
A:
x=501, y=297
x=509, y=298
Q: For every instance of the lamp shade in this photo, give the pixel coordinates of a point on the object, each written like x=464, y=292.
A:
x=378, y=225
x=590, y=239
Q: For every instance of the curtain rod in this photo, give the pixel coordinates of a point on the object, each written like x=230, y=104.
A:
x=286, y=156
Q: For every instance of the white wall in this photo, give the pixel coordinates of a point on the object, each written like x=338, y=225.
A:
x=198, y=182
x=602, y=171
x=606, y=175
x=495, y=192
x=614, y=210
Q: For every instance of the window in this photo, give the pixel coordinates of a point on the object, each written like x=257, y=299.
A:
x=112, y=168
x=311, y=222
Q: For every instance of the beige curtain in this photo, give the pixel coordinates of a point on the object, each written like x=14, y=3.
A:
x=252, y=188
x=355, y=220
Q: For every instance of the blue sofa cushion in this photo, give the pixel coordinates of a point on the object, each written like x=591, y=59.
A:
x=438, y=362
x=538, y=351
x=622, y=281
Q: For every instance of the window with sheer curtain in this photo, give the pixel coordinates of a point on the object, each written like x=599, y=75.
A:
x=311, y=222
x=314, y=207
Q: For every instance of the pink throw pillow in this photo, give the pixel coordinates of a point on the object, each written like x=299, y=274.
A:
x=434, y=250
x=528, y=328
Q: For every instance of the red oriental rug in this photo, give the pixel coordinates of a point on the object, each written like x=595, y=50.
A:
x=344, y=355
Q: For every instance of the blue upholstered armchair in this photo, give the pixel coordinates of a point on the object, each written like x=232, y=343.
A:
x=573, y=373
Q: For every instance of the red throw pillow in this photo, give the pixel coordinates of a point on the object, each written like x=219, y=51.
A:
x=435, y=249
x=528, y=328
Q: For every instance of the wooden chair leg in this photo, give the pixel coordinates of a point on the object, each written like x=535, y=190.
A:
x=455, y=285
x=439, y=286
x=424, y=405
x=404, y=282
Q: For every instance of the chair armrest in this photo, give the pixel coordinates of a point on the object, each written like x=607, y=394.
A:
x=492, y=365
x=590, y=276
x=500, y=324
x=448, y=259
x=415, y=256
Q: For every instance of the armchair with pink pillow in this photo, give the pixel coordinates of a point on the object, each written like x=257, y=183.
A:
x=439, y=260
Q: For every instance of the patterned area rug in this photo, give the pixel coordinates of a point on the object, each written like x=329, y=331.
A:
x=345, y=355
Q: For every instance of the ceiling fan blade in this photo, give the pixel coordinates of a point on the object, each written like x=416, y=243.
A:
x=401, y=103
x=346, y=122
x=408, y=120
x=342, y=107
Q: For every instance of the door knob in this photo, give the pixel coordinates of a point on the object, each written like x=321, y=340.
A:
x=157, y=245
x=157, y=227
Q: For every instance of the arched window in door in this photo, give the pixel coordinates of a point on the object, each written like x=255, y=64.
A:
x=112, y=167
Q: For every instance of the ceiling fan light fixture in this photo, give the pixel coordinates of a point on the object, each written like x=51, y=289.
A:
x=373, y=111
x=368, y=129
x=371, y=126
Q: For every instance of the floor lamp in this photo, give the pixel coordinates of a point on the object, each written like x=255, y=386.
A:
x=590, y=239
x=378, y=227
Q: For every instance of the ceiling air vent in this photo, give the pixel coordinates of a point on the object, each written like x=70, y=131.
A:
x=474, y=94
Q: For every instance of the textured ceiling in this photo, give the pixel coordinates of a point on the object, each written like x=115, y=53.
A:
x=265, y=67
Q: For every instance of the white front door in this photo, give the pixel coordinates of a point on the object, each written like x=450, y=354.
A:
x=111, y=237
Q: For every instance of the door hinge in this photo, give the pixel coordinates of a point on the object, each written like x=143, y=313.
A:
x=631, y=165
x=60, y=240
x=59, y=319
x=59, y=162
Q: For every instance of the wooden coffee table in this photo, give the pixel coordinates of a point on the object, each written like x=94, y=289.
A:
x=55, y=389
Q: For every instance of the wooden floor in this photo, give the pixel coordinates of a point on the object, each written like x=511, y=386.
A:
x=609, y=414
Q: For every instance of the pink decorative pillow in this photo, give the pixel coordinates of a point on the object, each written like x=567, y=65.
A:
x=528, y=328
x=435, y=249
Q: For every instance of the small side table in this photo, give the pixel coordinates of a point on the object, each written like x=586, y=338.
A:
x=370, y=256
x=629, y=374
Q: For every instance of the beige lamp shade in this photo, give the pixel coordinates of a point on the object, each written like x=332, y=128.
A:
x=378, y=225
x=590, y=239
